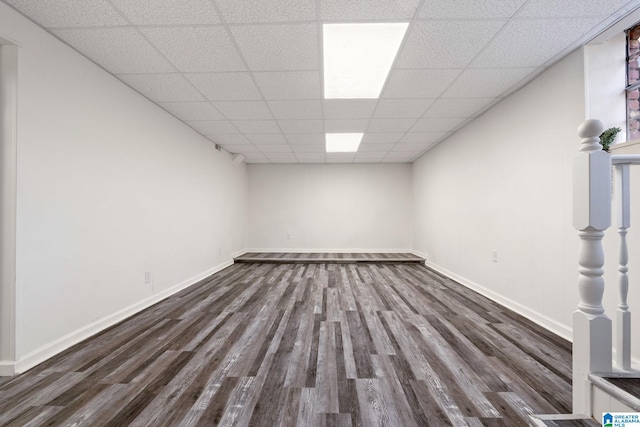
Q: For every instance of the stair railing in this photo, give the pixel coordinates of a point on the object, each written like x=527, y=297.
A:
x=592, y=329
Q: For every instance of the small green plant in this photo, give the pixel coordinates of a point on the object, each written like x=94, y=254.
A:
x=607, y=137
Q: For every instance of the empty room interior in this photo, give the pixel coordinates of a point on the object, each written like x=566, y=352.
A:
x=318, y=212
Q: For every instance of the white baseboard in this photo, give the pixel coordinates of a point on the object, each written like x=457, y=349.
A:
x=546, y=322
x=49, y=350
x=329, y=251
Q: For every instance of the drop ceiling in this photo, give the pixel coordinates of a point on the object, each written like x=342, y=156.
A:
x=247, y=74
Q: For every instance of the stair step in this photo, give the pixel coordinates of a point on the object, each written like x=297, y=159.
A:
x=624, y=387
x=562, y=420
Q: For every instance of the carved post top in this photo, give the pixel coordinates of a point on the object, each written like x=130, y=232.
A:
x=590, y=131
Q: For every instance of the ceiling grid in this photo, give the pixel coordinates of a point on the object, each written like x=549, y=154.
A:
x=247, y=74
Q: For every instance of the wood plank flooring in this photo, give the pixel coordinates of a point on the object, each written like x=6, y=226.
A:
x=305, y=344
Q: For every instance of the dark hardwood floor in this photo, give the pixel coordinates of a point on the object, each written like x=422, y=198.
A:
x=305, y=344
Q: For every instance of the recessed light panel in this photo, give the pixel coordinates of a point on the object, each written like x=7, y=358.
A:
x=358, y=57
x=343, y=142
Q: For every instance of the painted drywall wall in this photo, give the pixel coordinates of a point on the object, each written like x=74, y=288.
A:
x=110, y=186
x=330, y=207
x=493, y=203
x=502, y=186
x=605, y=79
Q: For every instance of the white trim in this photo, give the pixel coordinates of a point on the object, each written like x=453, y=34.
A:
x=546, y=322
x=329, y=251
x=51, y=349
x=8, y=197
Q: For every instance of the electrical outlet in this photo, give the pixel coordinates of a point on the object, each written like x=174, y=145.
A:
x=288, y=236
x=494, y=256
x=147, y=277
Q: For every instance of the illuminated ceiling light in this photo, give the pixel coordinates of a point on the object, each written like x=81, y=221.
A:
x=343, y=142
x=358, y=57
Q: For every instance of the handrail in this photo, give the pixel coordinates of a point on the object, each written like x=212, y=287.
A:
x=625, y=159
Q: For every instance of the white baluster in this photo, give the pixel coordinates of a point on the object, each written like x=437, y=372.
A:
x=591, y=216
x=623, y=214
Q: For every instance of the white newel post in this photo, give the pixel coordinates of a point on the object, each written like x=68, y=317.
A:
x=623, y=214
x=591, y=216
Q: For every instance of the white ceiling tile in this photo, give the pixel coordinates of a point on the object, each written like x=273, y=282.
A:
x=340, y=157
x=486, y=82
x=375, y=148
x=412, y=146
x=348, y=108
x=196, y=49
x=309, y=149
x=346, y=126
x=118, y=49
x=212, y=127
x=371, y=156
x=340, y=10
x=400, y=157
x=66, y=13
x=248, y=150
x=279, y=108
x=382, y=138
x=281, y=157
x=359, y=160
x=278, y=46
x=442, y=44
x=168, y=12
x=437, y=124
x=554, y=8
x=418, y=83
x=420, y=137
x=257, y=126
x=513, y=47
x=310, y=157
x=255, y=158
x=402, y=108
x=305, y=138
x=302, y=109
x=192, y=110
x=302, y=126
x=462, y=9
x=305, y=161
x=267, y=138
x=289, y=85
x=225, y=86
x=390, y=125
x=249, y=11
x=162, y=87
x=231, y=139
x=457, y=107
x=270, y=148
x=244, y=110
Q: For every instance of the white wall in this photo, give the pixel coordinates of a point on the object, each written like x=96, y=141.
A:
x=330, y=207
x=605, y=75
x=110, y=186
x=504, y=183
